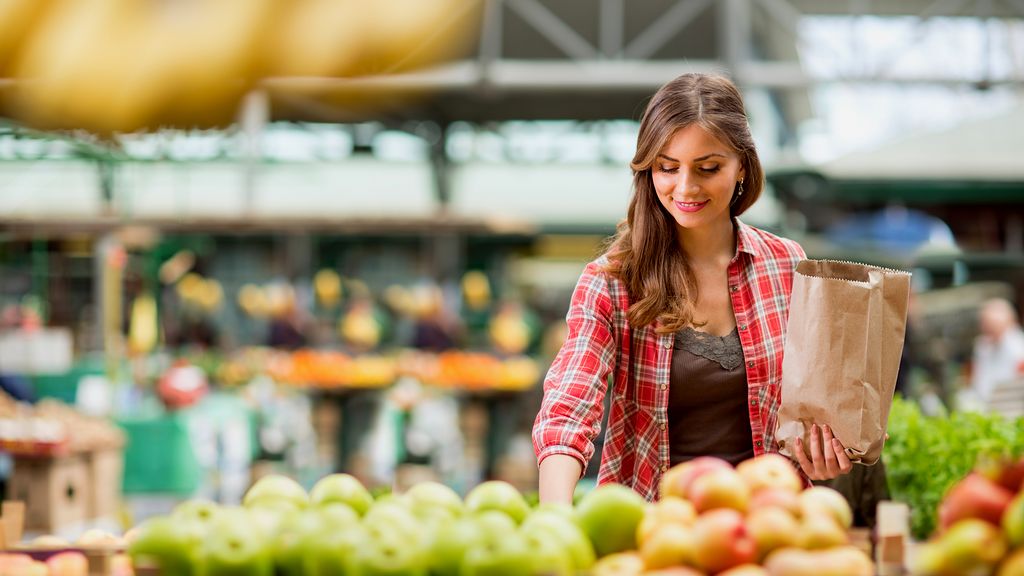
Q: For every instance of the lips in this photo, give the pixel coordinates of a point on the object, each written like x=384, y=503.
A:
x=691, y=206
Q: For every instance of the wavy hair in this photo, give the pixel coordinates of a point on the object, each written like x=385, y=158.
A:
x=643, y=253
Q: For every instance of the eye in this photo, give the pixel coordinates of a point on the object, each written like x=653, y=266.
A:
x=709, y=169
x=668, y=169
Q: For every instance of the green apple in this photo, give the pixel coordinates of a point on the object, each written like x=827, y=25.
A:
x=275, y=490
x=342, y=488
x=493, y=524
x=172, y=546
x=609, y=516
x=390, y=518
x=428, y=499
x=201, y=511
x=290, y=547
x=559, y=508
x=507, y=556
x=548, y=555
x=336, y=515
x=451, y=541
x=552, y=525
x=391, y=554
x=237, y=547
x=333, y=552
x=500, y=496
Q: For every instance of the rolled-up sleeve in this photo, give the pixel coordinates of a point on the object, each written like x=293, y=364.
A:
x=570, y=414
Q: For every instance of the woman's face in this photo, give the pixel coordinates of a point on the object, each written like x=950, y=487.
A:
x=694, y=176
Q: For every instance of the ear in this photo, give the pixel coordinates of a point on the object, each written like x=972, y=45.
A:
x=742, y=176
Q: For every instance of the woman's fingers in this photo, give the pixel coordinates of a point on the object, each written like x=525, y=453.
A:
x=820, y=471
x=829, y=452
x=844, y=461
x=801, y=458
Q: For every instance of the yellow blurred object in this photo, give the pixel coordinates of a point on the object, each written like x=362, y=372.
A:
x=399, y=299
x=316, y=38
x=360, y=328
x=18, y=19
x=327, y=286
x=190, y=286
x=143, y=330
x=509, y=333
x=252, y=301
x=518, y=373
x=124, y=65
x=476, y=289
x=210, y=295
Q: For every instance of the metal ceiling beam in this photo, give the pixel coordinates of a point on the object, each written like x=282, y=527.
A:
x=553, y=29
x=665, y=28
x=612, y=34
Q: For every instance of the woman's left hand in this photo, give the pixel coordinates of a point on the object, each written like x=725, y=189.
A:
x=828, y=456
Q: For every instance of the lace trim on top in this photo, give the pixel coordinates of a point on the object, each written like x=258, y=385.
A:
x=726, y=350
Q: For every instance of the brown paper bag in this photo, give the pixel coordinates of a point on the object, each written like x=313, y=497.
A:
x=842, y=353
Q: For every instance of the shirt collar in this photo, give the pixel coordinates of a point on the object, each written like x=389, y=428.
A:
x=744, y=238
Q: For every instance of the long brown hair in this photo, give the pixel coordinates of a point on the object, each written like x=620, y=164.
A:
x=643, y=253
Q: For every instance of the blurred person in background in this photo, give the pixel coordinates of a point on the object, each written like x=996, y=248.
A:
x=685, y=311
x=287, y=329
x=998, y=350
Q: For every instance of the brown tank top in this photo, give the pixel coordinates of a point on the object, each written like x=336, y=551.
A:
x=707, y=406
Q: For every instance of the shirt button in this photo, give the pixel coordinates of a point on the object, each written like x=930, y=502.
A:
x=664, y=386
x=734, y=288
x=661, y=425
x=758, y=443
x=668, y=344
x=664, y=468
x=750, y=363
x=743, y=326
x=753, y=402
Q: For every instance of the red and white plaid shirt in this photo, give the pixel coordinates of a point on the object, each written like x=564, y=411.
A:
x=601, y=343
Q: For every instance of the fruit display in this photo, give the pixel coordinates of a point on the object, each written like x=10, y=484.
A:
x=52, y=556
x=754, y=519
x=330, y=369
x=471, y=370
x=925, y=456
x=45, y=429
x=712, y=519
x=338, y=528
x=981, y=525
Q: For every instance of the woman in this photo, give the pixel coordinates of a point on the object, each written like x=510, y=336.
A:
x=686, y=312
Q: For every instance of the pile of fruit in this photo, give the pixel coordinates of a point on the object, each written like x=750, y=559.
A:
x=981, y=526
x=52, y=556
x=752, y=520
x=45, y=429
x=755, y=519
x=471, y=370
x=330, y=369
x=338, y=528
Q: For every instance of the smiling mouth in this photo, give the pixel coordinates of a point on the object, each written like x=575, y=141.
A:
x=691, y=206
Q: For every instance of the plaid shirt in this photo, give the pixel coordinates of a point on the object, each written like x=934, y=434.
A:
x=601, y=343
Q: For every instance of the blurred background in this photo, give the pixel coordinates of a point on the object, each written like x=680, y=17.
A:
x=317, y=236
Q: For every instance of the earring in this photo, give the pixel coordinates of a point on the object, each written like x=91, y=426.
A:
x=740, y=191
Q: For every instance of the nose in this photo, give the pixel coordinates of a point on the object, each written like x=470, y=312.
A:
x=683, y=183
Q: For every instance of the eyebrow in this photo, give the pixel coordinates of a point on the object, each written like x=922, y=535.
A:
x=701, y=159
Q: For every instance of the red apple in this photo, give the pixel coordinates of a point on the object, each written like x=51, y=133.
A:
x=772, y=528
x=676, y=482
x=1013, y=565
x=972, y=546
x=721, y=488
x=745, y=570
x=820, y=531
x=1013, y=521
x=68, y=564
x=669, y=510
x=722, y=541
x=819, y=499
x=974, y=497
x=669, y=545
x=776, y=498
x=619, y=564
x=770, y=471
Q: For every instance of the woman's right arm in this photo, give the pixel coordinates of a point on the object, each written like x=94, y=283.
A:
x=558, y=476
x=570, y=415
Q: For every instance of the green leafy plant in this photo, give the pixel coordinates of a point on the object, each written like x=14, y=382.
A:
x=925, y=456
